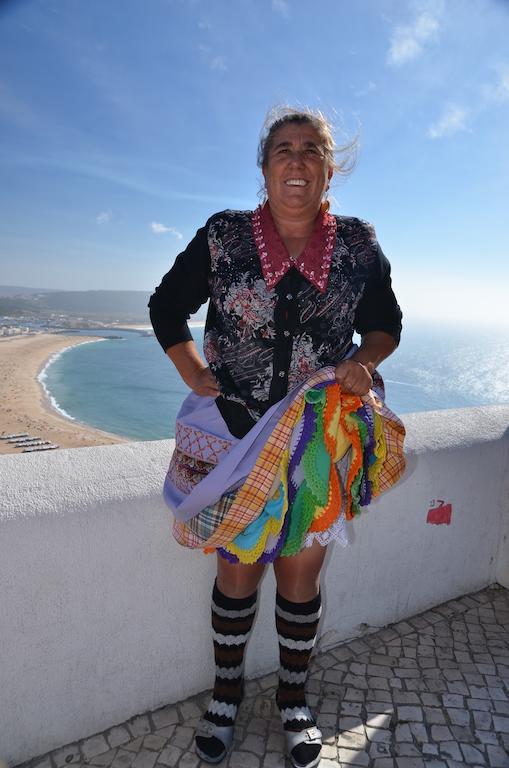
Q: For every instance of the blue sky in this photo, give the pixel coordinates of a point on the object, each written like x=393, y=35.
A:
x=125, y=124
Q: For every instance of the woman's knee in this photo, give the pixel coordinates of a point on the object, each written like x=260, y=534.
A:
x=298, y=591
x=298, y=576
x=238, y=580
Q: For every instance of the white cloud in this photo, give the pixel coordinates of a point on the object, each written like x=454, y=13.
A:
x=280, y=6
x=498, y=92
x=451, y=122
x=215, y=63
x=408, y=42
x=454, y=117
x=218, y=63
x=371, y=86
x=104, y=217
x=161, y=229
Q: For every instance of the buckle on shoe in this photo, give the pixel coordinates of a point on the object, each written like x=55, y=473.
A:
x=205, y=728
x=224, y=734
x=310, y=736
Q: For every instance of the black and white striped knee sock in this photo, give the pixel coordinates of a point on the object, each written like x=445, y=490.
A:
x=296, y=625
x=232, y=620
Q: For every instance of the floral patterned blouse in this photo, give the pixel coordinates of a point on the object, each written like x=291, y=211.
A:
x=271, y=321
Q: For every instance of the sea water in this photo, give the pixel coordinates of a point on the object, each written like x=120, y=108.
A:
x=129, y=387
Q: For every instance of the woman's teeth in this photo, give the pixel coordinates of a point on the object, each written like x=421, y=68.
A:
x=296, y=182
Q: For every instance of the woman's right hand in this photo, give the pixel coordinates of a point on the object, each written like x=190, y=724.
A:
x=203, y=383
x=198, y=377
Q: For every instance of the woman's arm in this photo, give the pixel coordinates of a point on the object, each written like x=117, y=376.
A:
x=193, y=370
x=377, y=320
x=181, y=292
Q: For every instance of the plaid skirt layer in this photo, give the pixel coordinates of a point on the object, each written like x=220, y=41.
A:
x=328, y=455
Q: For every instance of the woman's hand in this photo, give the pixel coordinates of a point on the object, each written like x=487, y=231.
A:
x=198, y=377
x=353, y=377
x=203, y=383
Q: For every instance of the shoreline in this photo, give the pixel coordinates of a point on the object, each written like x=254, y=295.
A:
x=49, y=402
x=26, y=404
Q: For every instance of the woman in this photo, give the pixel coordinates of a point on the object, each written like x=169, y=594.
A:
x=288, y=284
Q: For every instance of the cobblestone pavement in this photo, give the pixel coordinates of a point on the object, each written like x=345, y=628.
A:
x=431, y=690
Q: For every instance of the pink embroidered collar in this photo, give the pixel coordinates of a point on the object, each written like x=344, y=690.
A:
x=314, y=262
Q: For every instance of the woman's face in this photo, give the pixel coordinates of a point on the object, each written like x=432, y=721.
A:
x=296, y=173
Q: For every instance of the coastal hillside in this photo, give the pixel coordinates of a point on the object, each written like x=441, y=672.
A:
x=22, y=290
x=120, y=306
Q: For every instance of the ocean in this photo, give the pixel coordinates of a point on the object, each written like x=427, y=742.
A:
x=129, y=387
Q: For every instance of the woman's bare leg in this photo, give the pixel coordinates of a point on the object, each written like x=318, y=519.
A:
x=298, y=576
x=237, y=579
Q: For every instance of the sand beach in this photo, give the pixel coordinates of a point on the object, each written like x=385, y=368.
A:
x=24, y=406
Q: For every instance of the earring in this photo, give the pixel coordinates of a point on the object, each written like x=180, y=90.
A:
x=325, y=206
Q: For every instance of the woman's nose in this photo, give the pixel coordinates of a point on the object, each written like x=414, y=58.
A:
x=297, y=155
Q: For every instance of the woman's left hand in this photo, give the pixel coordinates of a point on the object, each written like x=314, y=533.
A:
x=353, y=377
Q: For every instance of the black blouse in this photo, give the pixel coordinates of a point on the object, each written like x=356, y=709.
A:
x=260, y=342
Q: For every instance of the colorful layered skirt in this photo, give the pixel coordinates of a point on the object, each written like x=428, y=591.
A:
x=308, y=465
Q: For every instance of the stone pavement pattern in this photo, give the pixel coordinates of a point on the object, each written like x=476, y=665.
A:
x=428, y=691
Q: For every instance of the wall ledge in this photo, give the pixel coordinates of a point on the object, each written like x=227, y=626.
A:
x=97, y=475
x=100, y=604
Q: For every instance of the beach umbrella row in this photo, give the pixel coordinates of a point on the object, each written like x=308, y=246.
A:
x=29, y=443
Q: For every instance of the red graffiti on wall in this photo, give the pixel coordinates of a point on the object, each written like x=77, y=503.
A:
x=439, y=513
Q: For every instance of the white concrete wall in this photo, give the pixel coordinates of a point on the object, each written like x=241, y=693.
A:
x=103, y=616
x=501, y=575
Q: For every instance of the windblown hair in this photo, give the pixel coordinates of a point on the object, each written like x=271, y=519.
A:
x=340, y=158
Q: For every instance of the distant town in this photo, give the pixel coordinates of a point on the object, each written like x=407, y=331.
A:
x=25, y=311
x=10, y=326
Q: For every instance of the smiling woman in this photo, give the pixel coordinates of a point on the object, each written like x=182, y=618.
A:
x=288, y=284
